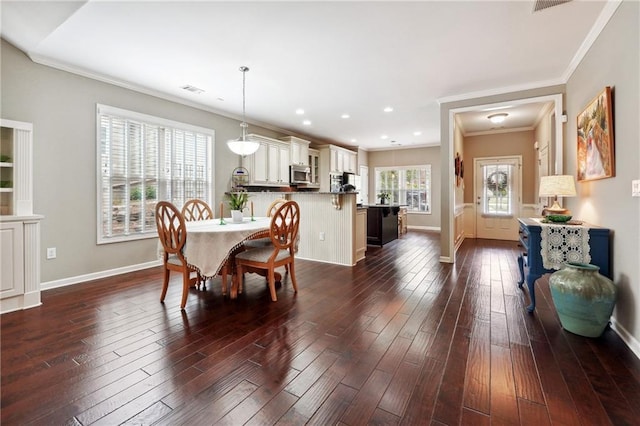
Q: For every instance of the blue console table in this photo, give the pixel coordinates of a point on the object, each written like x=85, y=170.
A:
x=531, y=256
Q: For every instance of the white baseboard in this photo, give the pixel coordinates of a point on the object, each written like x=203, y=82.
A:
x=424, y=228
x=97, y=275
x=631, y=341
x=445, y=259
x=327, y=261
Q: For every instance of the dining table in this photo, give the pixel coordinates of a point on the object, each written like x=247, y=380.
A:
x=211, y=243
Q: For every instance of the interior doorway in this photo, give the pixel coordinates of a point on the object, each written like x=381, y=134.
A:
x=497, y=193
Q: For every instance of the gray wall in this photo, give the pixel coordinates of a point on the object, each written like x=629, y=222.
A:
x=62, y=108
x=500, y=145
x=613, y=60
x=411, y=157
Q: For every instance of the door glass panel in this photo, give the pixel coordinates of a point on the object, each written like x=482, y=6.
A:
x=497, y=189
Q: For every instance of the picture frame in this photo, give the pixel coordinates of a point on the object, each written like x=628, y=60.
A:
x=595, y=139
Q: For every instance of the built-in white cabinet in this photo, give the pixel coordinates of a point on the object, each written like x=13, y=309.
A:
x=19, y=227
x=299, y=150
x=361, y=234
x=269, y=166
x=314, y=165
x=335, y=159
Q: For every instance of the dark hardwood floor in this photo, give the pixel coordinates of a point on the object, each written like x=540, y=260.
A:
x=398, y=339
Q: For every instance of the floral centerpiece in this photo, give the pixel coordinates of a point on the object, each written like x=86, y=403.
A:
x=237, y=203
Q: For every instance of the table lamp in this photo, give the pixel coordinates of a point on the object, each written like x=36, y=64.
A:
x=557, y=186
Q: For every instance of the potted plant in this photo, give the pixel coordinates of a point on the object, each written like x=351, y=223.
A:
x=237, y=203
x=384, y=197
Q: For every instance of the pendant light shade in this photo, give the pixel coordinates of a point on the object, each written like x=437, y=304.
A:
x=243, y=146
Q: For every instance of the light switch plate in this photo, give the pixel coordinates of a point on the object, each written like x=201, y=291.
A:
x=635, y=188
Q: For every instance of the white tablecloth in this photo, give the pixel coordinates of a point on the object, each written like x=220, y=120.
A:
x=209, y=243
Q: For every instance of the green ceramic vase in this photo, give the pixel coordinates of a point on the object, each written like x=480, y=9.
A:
x=583, y=297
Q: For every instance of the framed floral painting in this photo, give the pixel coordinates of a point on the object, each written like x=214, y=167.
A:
x=595, y=139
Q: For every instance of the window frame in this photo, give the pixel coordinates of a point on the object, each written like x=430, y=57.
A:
x=403, y=169
x=166, y=125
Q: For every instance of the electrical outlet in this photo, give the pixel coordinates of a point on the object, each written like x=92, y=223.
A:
x=322, y=236
x=51, y=253
x=635, y=188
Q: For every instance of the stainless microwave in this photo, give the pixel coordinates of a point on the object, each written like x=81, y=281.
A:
x=299, y=174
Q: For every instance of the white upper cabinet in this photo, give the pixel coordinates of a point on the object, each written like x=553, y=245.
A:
x=335, y=159
x=16, y=168
x=269, y=165
x=314, y=164
x=299, y=150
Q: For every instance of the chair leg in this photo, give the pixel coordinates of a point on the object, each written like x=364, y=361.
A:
x=292, y=274
x=165, y=284
x=186, y=281
x=272, y=285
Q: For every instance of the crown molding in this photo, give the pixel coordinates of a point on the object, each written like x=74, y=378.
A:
x=493, y=132
x=604, y=17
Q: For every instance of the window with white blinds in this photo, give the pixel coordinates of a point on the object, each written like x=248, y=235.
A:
x=142, y=160
x=408, y=185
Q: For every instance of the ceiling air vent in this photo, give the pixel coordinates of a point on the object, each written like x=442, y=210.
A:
x=545, y=4
x=192, y=89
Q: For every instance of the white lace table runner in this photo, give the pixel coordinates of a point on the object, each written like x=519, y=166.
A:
x=564, y=243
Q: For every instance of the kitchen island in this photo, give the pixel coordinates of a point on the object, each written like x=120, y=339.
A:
x=382, y=224
x=329, y=230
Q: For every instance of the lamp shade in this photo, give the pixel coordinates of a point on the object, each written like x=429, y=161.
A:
x=242, y=146
x=557, y=186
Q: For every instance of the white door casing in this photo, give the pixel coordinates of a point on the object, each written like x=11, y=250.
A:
x=497, y=192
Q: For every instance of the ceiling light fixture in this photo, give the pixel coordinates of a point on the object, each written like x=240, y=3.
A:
x=307, y=122
x=300, y=111
x=383, y=136
x=345, y=116
x=243, y=146
x=417, y=133
x=498, y=118
x=388, y=109
x=192, y=89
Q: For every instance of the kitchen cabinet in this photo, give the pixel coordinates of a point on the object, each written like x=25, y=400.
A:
x=361, y=234
x=335, y=158
x=299, y=150
x=314, y=165
x=19, y=227
x=269, y=165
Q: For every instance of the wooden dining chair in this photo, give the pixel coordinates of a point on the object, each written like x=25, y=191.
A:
x=172, y=232
x=283, y=231
x=262, y=239
x=196, y=210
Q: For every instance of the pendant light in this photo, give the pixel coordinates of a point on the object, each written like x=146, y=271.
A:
x=242, y=145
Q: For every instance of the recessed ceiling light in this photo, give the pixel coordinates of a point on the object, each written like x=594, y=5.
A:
x=345, y=116
x=497, y=118
x=383, y=136
x=300, y=111
x=307, y=122
x=417, y=133
x=354, y=140
x=388, y=109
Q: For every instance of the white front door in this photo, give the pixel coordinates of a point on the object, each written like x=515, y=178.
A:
x=497, y=190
